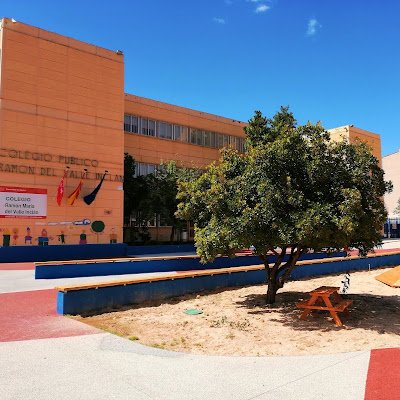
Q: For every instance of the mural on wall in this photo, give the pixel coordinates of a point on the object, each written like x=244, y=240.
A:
x=6, y=237
x=98, y=228
x=61, y=237
x=43, y=239
x=113, y=236
x=58, y=232
x=28, y=236
x=15, y=236
x=82, y=238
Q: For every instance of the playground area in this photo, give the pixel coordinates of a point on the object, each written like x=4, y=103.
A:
x=237, y=321
x=44, y=352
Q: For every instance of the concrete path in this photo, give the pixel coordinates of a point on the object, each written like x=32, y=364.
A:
x=47, y=356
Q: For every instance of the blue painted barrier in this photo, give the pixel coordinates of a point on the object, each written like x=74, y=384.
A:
x=61, y=252
x=88, y=300
x=135, y=266
x=77, y=300
x=351, y=264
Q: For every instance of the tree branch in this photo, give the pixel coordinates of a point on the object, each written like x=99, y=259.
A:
x=289, y=265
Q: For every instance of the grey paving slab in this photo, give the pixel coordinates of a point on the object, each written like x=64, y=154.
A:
x=19, y=281
x=105, y=366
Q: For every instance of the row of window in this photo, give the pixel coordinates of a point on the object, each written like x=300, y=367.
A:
x=157, y=221
x=165, y=130
x=143, y=169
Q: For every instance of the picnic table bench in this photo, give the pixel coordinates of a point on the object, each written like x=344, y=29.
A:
x=325, y=298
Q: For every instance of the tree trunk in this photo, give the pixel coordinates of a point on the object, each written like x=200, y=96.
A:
x=272, y=286
x=171, y=236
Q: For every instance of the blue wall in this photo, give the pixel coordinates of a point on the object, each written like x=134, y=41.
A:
x=55, y=271
x=81, y=301
x=61, y=252
x=333, y=267
x=102, y=298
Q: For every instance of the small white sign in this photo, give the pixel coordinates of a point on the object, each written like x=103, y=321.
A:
x=23, y=202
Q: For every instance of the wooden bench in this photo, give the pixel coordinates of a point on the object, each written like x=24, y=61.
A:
x=320, y=300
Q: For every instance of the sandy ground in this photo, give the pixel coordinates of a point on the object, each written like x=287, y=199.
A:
x=236, y=321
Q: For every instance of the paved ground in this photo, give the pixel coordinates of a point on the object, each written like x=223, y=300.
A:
x=46, y=356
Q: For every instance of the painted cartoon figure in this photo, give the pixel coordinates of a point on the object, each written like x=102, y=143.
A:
x=82, y=238
x=43, y=239
x=15, y=236
x=6, y=237
x=61, y=237
x=28, y=236
x=113, y=236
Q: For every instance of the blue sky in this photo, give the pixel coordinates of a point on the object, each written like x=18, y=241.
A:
x=337, y=61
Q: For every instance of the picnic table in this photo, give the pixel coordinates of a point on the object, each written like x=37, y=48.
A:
x=325, y=298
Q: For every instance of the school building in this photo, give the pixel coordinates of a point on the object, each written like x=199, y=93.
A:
x=65, y=124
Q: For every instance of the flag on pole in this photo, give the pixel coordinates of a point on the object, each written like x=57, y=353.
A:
x=74, y=195
x=60, y=189
x=89, y=199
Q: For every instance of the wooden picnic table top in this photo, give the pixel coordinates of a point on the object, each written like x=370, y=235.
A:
x=325, y=290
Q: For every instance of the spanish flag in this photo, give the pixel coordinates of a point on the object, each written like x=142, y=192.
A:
x=74, y=195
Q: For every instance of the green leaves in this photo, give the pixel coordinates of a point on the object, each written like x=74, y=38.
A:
x=292, y=187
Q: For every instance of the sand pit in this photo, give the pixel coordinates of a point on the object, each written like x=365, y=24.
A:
x=236, y=321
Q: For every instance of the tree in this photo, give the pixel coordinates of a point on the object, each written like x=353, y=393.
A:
x=163, y=191
x=292, y=191
x=136, y=195
x=397, y=209
x=136, y=190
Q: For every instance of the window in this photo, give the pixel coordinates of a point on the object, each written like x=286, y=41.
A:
x=143, y=169
x=207, y=139
x=163, y=220
x=213, y=136
x=192, y=136
x=151, y=130
x=134, y=124
x=165, y=130
x=127, y=123
x=151, y=168
x=184, y=134
x=241, y=145
x=144, y=126
x=196, y=136
x=177, y=132
x=219, y=140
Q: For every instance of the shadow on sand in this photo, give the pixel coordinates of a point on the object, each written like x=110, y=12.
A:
x=369, y=312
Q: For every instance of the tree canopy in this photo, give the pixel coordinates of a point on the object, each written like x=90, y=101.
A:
x=292, y=191
x=154, y=195
x=162, y=192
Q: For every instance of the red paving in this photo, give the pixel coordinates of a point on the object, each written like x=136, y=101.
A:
x=32, y=315
x=17, y=266
x=383, y=380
